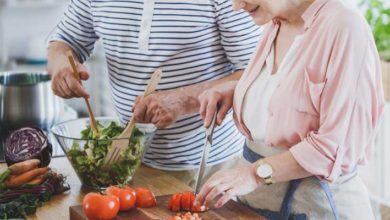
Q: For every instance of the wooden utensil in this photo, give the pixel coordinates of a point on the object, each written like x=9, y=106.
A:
x=231, y=210
x=90, y=113
x=122, y=141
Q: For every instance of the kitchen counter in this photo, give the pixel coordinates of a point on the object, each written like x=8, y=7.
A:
x=58, y=207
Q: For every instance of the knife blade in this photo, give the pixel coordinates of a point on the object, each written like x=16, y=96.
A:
x=205, y=154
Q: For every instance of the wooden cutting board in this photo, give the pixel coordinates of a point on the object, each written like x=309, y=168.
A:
x=231, y=210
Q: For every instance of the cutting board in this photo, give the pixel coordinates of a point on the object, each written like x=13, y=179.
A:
x=231, y=210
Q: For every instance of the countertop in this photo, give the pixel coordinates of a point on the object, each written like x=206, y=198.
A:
x=58, y=207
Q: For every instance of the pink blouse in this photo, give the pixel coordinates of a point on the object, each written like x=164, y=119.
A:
x=327, y=109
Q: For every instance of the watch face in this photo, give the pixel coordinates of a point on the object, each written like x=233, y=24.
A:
x=264, y=170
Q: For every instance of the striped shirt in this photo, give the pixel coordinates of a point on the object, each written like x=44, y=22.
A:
x=192, y=41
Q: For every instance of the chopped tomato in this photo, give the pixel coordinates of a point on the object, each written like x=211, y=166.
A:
x=145, y=198
x=100, y=207
x=176, y=202
x=126, y=195
x=186, y=216
x=186, y=201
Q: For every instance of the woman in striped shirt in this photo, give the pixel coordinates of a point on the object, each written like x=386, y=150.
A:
x=196, y=43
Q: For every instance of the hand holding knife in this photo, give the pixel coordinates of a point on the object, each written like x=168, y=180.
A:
x=206, y=150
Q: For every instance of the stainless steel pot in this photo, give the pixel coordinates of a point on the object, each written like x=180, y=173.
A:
x=26, y=99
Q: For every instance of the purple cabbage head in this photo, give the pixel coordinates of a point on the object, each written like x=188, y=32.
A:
x=28, y=143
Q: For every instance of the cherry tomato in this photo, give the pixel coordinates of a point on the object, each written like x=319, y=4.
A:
x=100, y=207
x=126, y=195
x=145, y=198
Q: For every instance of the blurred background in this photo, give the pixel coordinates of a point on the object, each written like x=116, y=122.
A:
x=26, y=24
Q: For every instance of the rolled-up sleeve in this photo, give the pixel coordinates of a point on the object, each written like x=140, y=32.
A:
x=239, y=34
x=351, y=106
x=76, y=29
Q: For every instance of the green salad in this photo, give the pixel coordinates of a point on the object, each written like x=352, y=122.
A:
x=88, y=156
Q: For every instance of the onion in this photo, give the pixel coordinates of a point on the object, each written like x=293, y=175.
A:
x=28, y=143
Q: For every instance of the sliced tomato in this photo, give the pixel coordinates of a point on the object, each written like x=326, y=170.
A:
x=192, y=200
x=145, y=198
x=186, y=201
x=176, y=202
x=126, y=195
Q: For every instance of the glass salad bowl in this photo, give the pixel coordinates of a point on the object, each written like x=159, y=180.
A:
x=87, y=154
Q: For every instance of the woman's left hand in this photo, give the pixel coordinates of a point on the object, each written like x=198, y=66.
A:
x=227, y=184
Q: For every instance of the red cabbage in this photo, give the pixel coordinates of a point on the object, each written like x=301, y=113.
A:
x=28, y=143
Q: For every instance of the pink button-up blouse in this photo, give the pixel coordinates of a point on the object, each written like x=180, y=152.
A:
x=326, y=111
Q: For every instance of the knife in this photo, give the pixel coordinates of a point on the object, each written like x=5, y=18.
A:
x=205, y=155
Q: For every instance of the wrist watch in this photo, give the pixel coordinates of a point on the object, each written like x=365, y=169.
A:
x=264, y=171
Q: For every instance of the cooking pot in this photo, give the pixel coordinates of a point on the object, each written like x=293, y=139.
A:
x=26, y=99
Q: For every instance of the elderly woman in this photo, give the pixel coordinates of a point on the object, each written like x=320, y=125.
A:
x=309, y=104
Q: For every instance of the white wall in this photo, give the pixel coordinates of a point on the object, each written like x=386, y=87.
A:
x=22, y=24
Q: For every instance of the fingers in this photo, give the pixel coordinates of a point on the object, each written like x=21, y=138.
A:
x=152, y=109
x=207, y=187
x=238, y=5
x=139, y=111
x=223, y=110
x=75, y=87
x=165, y=120
x=83, y=72
x=64, y=83
x=203, y=105
x=228, y=195
x=210, y=109
x=217, y=191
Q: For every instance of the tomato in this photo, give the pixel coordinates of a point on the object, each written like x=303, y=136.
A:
x=186, y=201
x=126, y=195
x=176, y=202
x=100, y=207
x=145, y=198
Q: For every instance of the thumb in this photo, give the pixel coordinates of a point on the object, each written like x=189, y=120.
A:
x=83, y=72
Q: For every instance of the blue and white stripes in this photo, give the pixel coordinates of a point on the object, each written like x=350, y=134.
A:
x=193, y=41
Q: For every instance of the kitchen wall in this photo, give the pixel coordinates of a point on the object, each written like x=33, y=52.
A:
x=24, y=28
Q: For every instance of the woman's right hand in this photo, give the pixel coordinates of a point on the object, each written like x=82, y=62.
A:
x=220, y=96
x=64, y=83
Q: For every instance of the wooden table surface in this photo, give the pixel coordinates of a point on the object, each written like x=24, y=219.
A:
x=58, y=207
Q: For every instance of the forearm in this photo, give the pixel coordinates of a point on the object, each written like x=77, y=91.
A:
x=57, y=50
x=286, y=168
x=190, y=94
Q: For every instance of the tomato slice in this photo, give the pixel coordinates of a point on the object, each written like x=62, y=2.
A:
x=145, y=198
x=192, y=200
x=176, y=202
x=186, y=200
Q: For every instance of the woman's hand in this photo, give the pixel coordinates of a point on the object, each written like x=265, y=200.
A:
x=221, y=96
x=64, y=84
x=227, y=184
